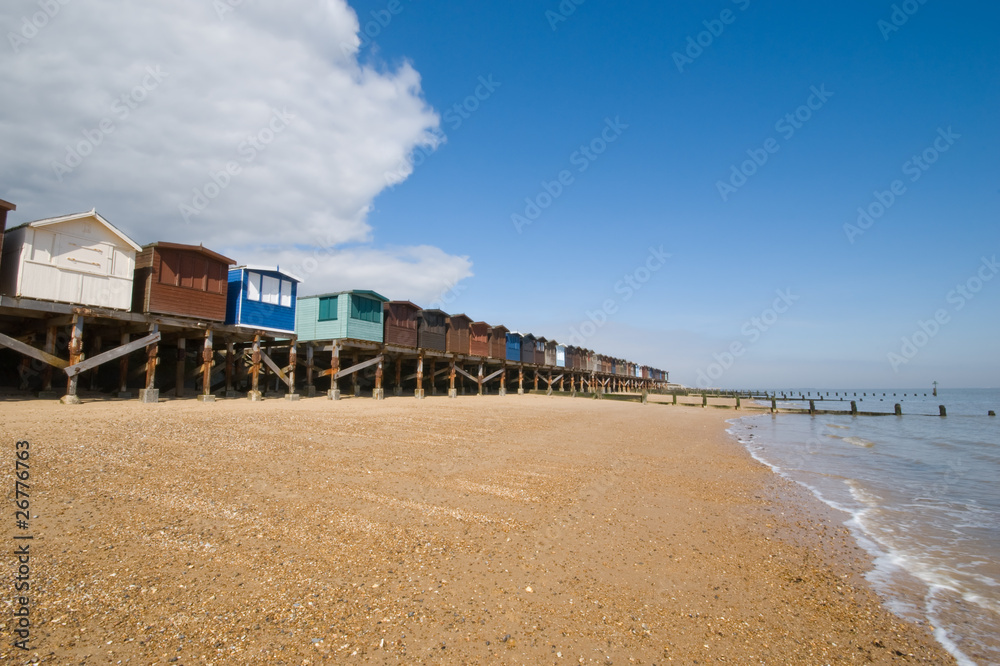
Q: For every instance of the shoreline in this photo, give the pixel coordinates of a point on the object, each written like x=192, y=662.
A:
x=522, y=530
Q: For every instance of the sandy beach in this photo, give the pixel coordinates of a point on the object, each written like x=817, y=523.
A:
x=521, y=530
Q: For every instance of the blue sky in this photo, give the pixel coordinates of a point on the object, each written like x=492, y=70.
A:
x=657, y=184
x=378, y=181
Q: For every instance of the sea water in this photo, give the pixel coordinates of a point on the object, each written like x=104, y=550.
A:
x=921, y=493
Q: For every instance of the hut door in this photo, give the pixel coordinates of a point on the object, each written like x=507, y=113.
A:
x=83, y=255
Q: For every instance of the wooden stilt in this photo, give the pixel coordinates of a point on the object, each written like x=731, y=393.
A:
x=255, y=394
x=503, y=381
x=75, y=356
x=310, y=370
x=480, y=379
x=293, y=362
x=520, y=380
x=398, y=388
x=207, y=357
x=434, y=390
x=452, y=393
x=379, y=392
x=536, y=380
x=334, y=393
x=151, y=394
x=419, y=391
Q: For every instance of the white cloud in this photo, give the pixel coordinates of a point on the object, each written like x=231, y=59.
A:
x=251, y=128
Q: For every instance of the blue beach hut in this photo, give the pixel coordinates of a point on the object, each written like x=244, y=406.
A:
x=513, y=346
x=262, y=298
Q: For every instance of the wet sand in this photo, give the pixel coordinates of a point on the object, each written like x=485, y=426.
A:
x=521, y=530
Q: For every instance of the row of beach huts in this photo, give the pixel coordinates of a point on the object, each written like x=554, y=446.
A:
x=58, y=273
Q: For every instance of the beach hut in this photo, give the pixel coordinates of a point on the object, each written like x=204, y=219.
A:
x=5, y=207
x=498, y=342
x=570, y=357
x=432, y=329
x=262, y=298
x=353, y=315
x=457, y=335
x=514, y=341
x=479, y=338
x=561, y=356
x=528, y=348
x=550, y=353
x=181, y=280
x=401, y=319
x=80, y=258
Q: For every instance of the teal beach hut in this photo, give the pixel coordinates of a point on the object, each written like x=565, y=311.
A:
x=345, y=315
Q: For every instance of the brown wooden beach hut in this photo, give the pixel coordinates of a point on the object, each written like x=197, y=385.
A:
x=181, y=280
x=431, y=329
x=479, y=338
x=457, y=334
x=401, y=320
x=498, y=342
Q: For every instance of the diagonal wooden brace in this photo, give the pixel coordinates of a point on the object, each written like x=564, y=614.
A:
x=94, y=361
x=359, y=366
x=28, y=350
x=274, y=366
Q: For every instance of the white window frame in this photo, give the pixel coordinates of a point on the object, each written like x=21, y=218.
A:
x=270, y=290
x=286, y=294
x=253, y=286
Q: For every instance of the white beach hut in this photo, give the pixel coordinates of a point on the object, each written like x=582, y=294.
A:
x=81, y=259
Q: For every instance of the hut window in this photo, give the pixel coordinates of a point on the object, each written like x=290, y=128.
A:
x=270, y=290
x=365, y=309
x=253, y=286
x=328, y=308
x=286, y=293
